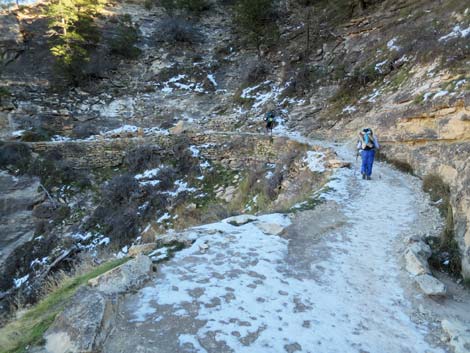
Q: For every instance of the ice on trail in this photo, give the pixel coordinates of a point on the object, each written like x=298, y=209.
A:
x=252, y=292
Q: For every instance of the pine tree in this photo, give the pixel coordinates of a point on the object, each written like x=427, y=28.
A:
x=256, y=21
x=73, y=32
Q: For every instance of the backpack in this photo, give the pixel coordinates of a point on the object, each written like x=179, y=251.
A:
x=270, y=117
x=368, y=142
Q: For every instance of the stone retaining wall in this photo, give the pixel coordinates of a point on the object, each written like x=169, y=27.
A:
x=235, y=151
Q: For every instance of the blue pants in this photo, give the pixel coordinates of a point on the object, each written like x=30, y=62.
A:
x=367, y=161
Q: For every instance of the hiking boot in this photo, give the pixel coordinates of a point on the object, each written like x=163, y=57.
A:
x=363, y=176
x=368, y=177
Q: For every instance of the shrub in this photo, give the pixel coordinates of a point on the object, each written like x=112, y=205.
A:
x=58, y=172
x=16, y=155
x=195, y=6
x=142, y=158
x=120, y=190
x=85, y=130
x=178, y=30
x=126, y=37
x=167, y=177
x=446, y=253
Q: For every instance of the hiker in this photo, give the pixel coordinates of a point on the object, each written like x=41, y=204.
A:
x=269, y=118
x=367, y=145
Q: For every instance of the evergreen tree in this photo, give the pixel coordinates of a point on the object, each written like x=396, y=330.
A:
x=73, y=31
x=256, y=21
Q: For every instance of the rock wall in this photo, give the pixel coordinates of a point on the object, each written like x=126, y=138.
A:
x=231, y=150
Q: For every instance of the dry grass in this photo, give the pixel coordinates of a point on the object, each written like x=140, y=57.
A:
x=29, y=327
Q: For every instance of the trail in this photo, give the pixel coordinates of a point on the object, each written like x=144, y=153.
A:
x=332, y=283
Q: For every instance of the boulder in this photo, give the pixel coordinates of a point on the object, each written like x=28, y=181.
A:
x=241, y=220
x=431, y=285
x=271, y=228
x=415, y=264
x=131, y=275
x=11, y=39
x=180, y=128
x=459, y=334
x=79, y=328
x=229, y=193
x=136, y=250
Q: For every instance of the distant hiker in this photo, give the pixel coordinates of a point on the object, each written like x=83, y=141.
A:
x=269, y=119
x=367, y=145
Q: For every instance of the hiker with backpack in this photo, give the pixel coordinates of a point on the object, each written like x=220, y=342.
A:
x=367, y=145
x=269, y=119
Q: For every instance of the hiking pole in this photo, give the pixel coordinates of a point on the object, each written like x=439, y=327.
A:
x=355, y=164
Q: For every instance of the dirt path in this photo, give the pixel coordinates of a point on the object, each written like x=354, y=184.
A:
x=332, y=283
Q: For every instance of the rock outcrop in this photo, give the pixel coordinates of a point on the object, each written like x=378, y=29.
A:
x=18, y=195
x=11, y=39
x=86, y=321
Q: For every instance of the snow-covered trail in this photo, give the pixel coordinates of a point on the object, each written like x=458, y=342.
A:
x=332, y=283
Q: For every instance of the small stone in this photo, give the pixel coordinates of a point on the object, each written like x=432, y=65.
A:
x=431, y=286
x=414, y=264
x=240, y=220
x=136, y=250
x=271, y=228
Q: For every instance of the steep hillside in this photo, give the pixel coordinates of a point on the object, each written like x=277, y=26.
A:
x=159, y=127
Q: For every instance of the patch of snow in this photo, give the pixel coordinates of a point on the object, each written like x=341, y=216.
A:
x=60, y=138
x=460, y=83
x=315, y=161
x=269, y=175
x=190, y=343
x=372, y=98
x=104, y=241
x=205, y=165
x=176, y=82
x=156, y=130
x=427, y=95
x=117, y=108
x=18, y=133
x=194, y=151
x=40, y=262
x=262, y=93
x=378, y=66
x=125, y=129
x=181, y=186
x=20, y=281
x=349, y=109
x=457, y=32
x=163, y=218
x=82, y=237
x=212, y=80
x=148, y=174
x=391, y=44
x=403, y=59
x=440, y=94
